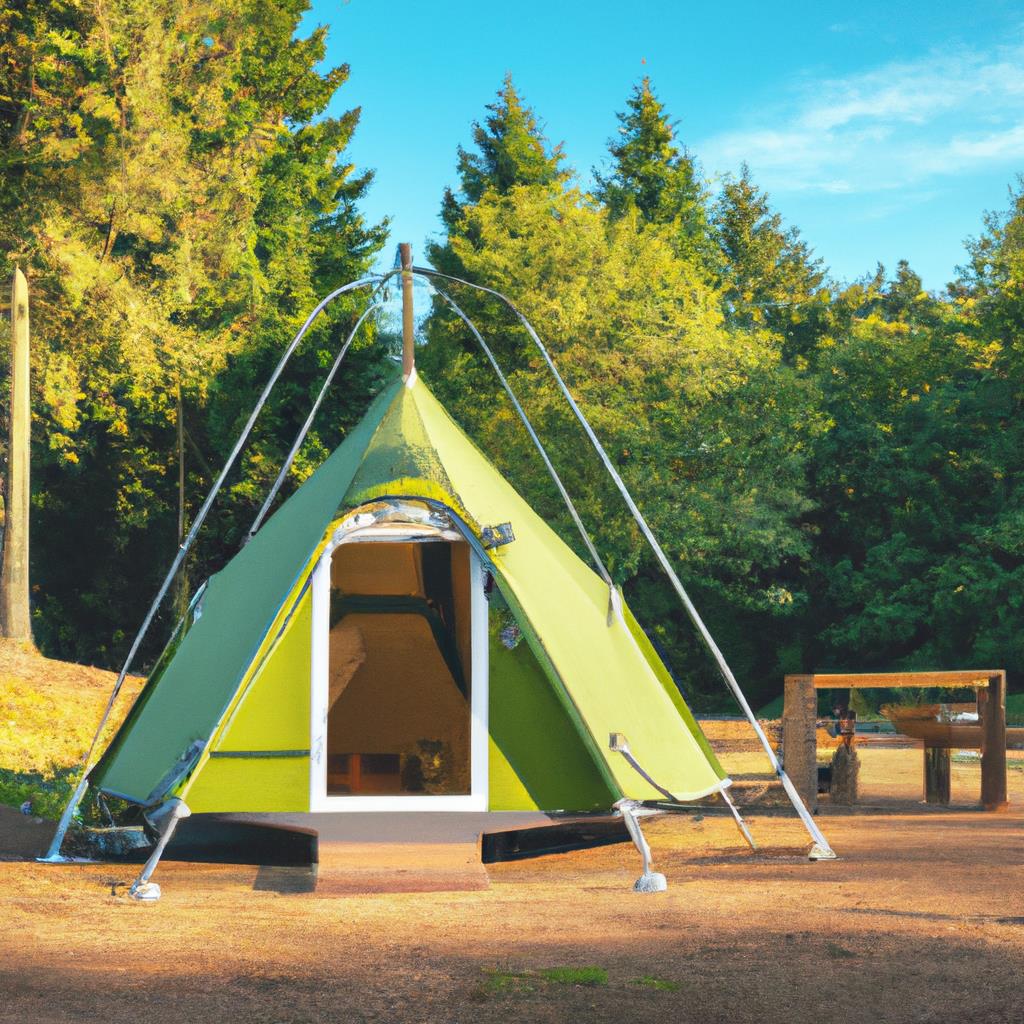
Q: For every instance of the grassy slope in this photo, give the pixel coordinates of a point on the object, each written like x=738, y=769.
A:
x=49, y=711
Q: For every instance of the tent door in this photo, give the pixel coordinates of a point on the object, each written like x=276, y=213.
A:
x=399, y=673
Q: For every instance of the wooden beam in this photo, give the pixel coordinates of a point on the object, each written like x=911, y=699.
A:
x=863, y=680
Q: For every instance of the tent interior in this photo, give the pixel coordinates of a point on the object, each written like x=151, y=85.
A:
x=399, y=668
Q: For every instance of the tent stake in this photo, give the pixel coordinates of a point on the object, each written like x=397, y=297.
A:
x=169, y=814
x=649, y=881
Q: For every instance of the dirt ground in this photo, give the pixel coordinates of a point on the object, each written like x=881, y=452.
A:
x=921, y=920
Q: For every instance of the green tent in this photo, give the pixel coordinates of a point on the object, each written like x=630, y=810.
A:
x=406, y=632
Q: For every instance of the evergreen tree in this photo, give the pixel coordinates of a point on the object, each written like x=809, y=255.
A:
x=768, y=274
x=178, y=201
x=653, y=175
x=991, y=284
x=511, y=149
x=905, y=298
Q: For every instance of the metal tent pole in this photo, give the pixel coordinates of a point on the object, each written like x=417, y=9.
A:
x=821, y=849
x=740, y=823
x=598, y=563
x=53, y=855
x=304, y=429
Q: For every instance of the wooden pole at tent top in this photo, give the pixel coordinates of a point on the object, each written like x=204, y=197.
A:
x=408, y=344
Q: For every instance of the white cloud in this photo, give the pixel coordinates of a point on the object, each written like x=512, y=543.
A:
x=890, y=127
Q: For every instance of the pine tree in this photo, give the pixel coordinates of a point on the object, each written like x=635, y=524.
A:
x=178, y=199
x=652, y=174
x=768, y=274
x=511, y=150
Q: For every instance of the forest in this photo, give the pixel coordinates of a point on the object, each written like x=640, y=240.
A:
x=836, y=469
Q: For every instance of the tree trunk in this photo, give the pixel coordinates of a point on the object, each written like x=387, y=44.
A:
x=15, y=621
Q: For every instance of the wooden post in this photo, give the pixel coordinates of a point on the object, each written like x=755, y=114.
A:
x=408, y=342
x=936, y=775
x=15, y=621
x=799, y=739
x=845, y=775
x=992, y=712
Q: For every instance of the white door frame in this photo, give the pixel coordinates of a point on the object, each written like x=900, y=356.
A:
x=476, y=799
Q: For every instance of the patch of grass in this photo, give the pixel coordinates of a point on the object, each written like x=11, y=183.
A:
x=48, y=712
x=838, y=952
x=658, y=984
x=511, y=983
x=575, y=975
x=47, y=792
x=505, y=983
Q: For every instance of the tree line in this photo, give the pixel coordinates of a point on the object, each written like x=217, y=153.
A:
x=835, y=469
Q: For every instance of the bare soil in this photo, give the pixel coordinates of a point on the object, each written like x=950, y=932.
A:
x=920, y=920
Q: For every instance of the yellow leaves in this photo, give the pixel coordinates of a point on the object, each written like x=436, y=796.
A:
x=118, y=426
x=97, y=102
x=63, y=446
x=986, y=357
x=61, y=388
x=64, y=150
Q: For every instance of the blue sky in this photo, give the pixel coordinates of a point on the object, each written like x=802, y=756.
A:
x=881, y=130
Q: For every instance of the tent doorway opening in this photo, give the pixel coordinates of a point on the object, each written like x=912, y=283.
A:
x=402, y=688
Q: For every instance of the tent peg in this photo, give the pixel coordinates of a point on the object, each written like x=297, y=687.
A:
x=649, y=881
x=165, y=818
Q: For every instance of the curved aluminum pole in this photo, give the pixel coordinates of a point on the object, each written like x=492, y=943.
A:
x=304, y=429
x=533, y=437
x=53, y=854
x=822, y=849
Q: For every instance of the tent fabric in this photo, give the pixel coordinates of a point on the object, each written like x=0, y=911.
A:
x=188, y=699
x=604, y=677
